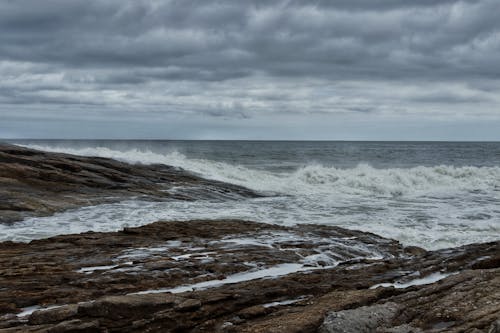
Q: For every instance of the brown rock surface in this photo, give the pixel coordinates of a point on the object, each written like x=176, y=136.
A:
x=36, y=183
x=334, y=270
x=71, y=268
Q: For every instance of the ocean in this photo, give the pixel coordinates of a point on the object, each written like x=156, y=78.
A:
x=428, y=194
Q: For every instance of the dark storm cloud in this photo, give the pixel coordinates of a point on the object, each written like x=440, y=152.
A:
x=241, y=58
x=223, y=39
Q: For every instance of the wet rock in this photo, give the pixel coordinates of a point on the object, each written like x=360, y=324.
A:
x=486, y=263
x=495, y=327
x=468, y=300
x=400, y=329
x=308, y=316
x=6, y=307
x=55, y=315
x=188, y=305
x=75, y=326
x=253, y=311
x=36, y=183
x=74, y=268
x=126, y=307
x=463, y=302
x=415, y=250
x=365, y=319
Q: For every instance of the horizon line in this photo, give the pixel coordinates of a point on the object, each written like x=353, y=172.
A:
x=247, y=140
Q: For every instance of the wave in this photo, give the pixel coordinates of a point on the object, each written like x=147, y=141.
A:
x=316, y=178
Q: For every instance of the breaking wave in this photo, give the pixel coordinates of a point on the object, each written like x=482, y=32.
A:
x=316, y=178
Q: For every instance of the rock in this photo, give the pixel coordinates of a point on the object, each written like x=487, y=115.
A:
x=495, y=327
x=128, y=306
x=191, y=252
x=76, y=268
x=55, y=315
x=462, y=302
x=415, y=250
x=253, y=311
x=486, y=263
x=6, y=307
x=188, y=305
x=400, y=329
x=76, y=326
x=365, y=319
x=308, y=316
x=36, y=183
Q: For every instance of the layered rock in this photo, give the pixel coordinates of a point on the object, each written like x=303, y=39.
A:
x=239, y=276
x=36, y=183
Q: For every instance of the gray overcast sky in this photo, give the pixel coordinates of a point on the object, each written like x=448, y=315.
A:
x=345, y=69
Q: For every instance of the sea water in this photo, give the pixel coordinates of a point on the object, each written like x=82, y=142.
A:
x=429, y=194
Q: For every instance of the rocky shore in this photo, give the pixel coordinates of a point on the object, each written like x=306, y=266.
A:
x=36, y=183
x=219, y=275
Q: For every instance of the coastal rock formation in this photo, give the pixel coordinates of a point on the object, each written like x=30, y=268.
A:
x=239, y=276
x=72, y=268
x=465, y=302
x=36, y=183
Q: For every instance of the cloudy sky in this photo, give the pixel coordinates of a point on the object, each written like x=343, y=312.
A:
x=344, y=69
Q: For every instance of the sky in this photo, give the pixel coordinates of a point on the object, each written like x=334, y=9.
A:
x=287, y=70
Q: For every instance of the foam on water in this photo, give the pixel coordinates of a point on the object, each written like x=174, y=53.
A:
x=285, y=302
x=315, y=178
x=429, y=206
x=431, y=278
x=271, y=272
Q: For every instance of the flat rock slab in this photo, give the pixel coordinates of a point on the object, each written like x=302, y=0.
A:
x=364, y=319
x=165, y=255
x=241, y=276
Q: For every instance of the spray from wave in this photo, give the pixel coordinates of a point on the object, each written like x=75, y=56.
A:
x=429, y=206
x=315, y=178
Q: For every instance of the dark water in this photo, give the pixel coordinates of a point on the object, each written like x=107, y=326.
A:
x=287, y=155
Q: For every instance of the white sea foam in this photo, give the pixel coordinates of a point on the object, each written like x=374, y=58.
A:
x=285, y=302
x=315, y=178
x=92, y=269
x=271, y=272
x=27, y=311
x=431, y=278
x=434, y=207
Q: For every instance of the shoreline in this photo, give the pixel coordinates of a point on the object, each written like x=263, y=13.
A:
x=219, y=275
x=37, y=183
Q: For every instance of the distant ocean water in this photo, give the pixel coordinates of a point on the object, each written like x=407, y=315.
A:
x=429, y=194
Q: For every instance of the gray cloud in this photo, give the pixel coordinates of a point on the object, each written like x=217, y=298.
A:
x=244, y=59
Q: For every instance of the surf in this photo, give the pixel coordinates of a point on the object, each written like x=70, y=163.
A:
x=315, y=178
